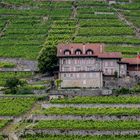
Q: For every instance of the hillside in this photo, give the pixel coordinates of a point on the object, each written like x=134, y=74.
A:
x=25, y=27
x=28, y=111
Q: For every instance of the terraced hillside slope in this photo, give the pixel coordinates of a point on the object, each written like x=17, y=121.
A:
x=79, y=118
x=25, y=27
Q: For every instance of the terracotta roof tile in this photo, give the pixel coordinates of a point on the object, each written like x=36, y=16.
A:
x=132, y=61
x=96, y=48
x=110, y=55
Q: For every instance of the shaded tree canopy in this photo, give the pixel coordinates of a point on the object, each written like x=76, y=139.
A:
x=47, y=59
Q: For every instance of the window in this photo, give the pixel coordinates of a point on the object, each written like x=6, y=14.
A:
x=78, y=75
x=71, y=75
x=78, y=61
x=89, y=52
x=84, y=82
x=64, y=61
x=90, y=75
x=106, y=70
x=78, y=52
x=69, y=61
x=105, y=64
x=66, y=68
x=89, y=68
x=84, y=75
x=67, y=52
x=78, y=68
x=122, y=66
x=112, y=71
x=112, y=63
x=65, y=75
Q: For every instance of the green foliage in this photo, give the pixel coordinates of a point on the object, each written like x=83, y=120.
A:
x=47, y=60
x=35, y=87
x=58, y=83
x=123, y=91
x=7, y=65
x=100, y=99
x=52, y=22
x=9, y=75
x=87, y=124
x=24, y=91
x=13, y=84
x=90, y=111
x=136, y=89
x=3, y=123
x=15, y=106
x=116, y=74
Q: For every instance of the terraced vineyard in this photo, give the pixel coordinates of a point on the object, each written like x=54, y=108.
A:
x=15, y=106
x=53, y=121
x=86, y=118
x=28, y=26
x=6, y=75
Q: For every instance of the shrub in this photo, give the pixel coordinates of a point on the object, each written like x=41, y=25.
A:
x=12, y=85
x=24, y=90
x=58, y=83
x=123, y=91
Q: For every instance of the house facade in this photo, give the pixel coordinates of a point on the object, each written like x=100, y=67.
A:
x=85, y=65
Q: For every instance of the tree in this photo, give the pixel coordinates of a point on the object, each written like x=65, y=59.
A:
x=12, y=85
x=47, y=60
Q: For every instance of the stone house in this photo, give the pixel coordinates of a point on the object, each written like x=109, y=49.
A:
x=85, y=65
x=133, y=66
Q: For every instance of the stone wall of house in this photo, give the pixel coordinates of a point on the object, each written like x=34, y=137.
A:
x=109, y=66
x=123, y=70
x=81, y=79
x=134, y=73
x=79, y=64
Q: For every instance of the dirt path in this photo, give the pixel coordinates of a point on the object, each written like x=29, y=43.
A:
x=4, y=28
x=129, y=23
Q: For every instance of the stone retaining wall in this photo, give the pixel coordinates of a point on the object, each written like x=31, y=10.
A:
x=114, y=83
x=21, y=64
x=80, y=132
x=83, y=117
x=91, y=105
x=81, y=92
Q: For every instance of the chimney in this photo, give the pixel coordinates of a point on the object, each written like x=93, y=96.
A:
x=84, y=48
x=101, y=48
x=60, y=50
x=71, y=50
